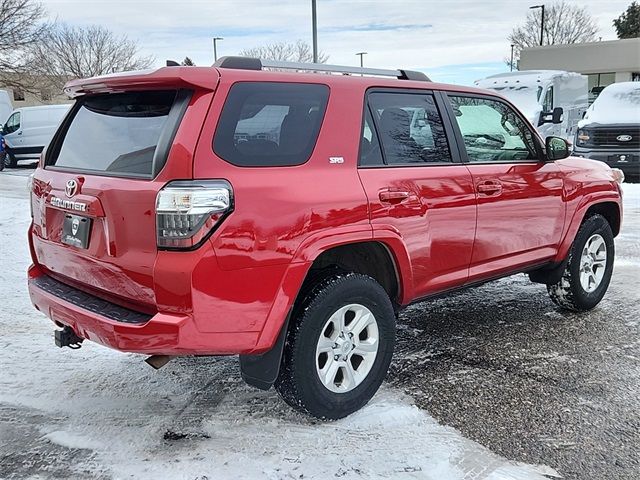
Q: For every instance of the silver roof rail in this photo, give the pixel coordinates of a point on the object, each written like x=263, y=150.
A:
x=247, y=63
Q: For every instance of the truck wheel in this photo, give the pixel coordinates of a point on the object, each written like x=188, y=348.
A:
x=338, y=348
x=588, y=271
x=10, y=160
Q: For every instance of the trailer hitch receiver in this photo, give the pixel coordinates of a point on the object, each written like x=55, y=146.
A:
x=68, y=338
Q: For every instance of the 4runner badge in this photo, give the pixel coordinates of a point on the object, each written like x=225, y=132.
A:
x=333, y=160
x=68, y=204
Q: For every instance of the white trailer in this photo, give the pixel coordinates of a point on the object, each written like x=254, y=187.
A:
x=553, y=100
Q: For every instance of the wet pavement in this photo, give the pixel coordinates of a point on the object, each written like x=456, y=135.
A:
x=509, y=369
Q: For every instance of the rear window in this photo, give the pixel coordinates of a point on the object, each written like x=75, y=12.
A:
x=116, y=133
x=270, y=124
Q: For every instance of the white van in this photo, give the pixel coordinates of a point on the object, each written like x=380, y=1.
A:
x=553, y=100
x=29, y=129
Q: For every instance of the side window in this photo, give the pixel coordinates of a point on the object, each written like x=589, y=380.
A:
x=410, y=128
x=370, y=153
x=13, y=123
x=492, y=131
x=270, y=124
x=547, y=105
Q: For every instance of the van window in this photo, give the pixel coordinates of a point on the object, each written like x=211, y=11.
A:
x=265, y=124
x=410, y=128
x=547, y=105
x=116, y=133
x=13, y=124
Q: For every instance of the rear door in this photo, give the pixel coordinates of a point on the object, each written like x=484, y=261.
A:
x=94, y=222
x=417, y=187
x=520, y=204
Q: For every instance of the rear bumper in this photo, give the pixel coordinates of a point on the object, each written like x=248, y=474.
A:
x=626, y=160
x=159, y=334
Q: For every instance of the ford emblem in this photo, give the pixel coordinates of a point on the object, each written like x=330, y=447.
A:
x=624, y=138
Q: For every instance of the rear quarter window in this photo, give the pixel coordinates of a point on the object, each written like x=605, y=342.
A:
x=268, y=124
x=115, y=133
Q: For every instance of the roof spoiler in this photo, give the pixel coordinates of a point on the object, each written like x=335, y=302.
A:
x=248, y=63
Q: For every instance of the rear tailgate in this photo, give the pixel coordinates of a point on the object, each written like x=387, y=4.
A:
x=94, y=193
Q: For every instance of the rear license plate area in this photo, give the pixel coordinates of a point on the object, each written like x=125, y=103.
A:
x=76, y=230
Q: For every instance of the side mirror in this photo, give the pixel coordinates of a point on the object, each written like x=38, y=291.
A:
x=557, y=148
x=554, y=117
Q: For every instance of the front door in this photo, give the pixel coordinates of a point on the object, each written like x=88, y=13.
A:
x=417, y=188
x=520, y=204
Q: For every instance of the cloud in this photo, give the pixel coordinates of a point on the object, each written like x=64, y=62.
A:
x=413, y=34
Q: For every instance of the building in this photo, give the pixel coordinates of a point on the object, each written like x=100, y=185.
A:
x=39, y=96
x=604, y=63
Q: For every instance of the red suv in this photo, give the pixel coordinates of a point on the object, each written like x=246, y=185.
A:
x=289, y=217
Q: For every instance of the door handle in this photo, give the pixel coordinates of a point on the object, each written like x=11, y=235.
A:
x=19, y=133
x=393, y=196
x=489, y=188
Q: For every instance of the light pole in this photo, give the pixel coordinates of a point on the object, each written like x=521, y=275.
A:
x=511, y=62
x=215, y=48
x=314, y=30
x=541, y=7
x=361, y=54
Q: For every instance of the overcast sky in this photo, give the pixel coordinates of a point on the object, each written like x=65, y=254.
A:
x=454, y=41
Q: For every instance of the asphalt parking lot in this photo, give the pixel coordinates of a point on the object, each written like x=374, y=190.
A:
x=506, y=367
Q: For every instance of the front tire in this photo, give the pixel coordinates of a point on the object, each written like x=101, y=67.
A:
x=10, y=160
x=589, y=267
x=339, y=347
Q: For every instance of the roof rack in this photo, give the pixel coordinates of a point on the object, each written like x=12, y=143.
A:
x=248, y=63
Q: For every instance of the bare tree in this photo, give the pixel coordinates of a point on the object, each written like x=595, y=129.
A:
x=21, y=26
x=68, y=52
x=563, y=23
x=299, y=51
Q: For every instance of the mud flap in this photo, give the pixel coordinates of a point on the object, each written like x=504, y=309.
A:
x=261, y=371
x=549, y=275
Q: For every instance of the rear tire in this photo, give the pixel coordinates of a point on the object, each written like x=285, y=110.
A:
x=589, y=268
x=338, y=348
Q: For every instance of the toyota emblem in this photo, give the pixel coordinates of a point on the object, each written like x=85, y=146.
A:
x=624, y=138
x=71, y=188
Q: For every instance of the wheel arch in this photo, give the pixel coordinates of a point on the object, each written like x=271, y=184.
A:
x=366, y=256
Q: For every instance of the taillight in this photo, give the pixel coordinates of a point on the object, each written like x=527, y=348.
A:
x=188, y=211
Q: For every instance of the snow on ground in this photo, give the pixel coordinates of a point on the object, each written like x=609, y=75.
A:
x=99, y=413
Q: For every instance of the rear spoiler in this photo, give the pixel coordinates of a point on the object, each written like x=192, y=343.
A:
x=201, y=78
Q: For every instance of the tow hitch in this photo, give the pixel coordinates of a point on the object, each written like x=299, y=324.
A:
x=68, y=338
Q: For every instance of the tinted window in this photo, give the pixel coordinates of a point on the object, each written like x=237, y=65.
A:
x=370, y=153
x=270, y=124
x=410, y=128
x=492, y=131
x=116, y=133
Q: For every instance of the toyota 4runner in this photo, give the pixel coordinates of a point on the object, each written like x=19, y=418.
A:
x=288, y=217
